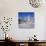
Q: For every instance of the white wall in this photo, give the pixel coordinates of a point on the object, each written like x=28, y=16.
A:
x=10, y=8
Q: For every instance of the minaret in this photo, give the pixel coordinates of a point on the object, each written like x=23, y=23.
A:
x=28, y=18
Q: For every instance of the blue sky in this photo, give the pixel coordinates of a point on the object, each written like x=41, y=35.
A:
x=25, y=14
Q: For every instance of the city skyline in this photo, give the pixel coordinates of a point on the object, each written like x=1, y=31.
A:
x=26, y=19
